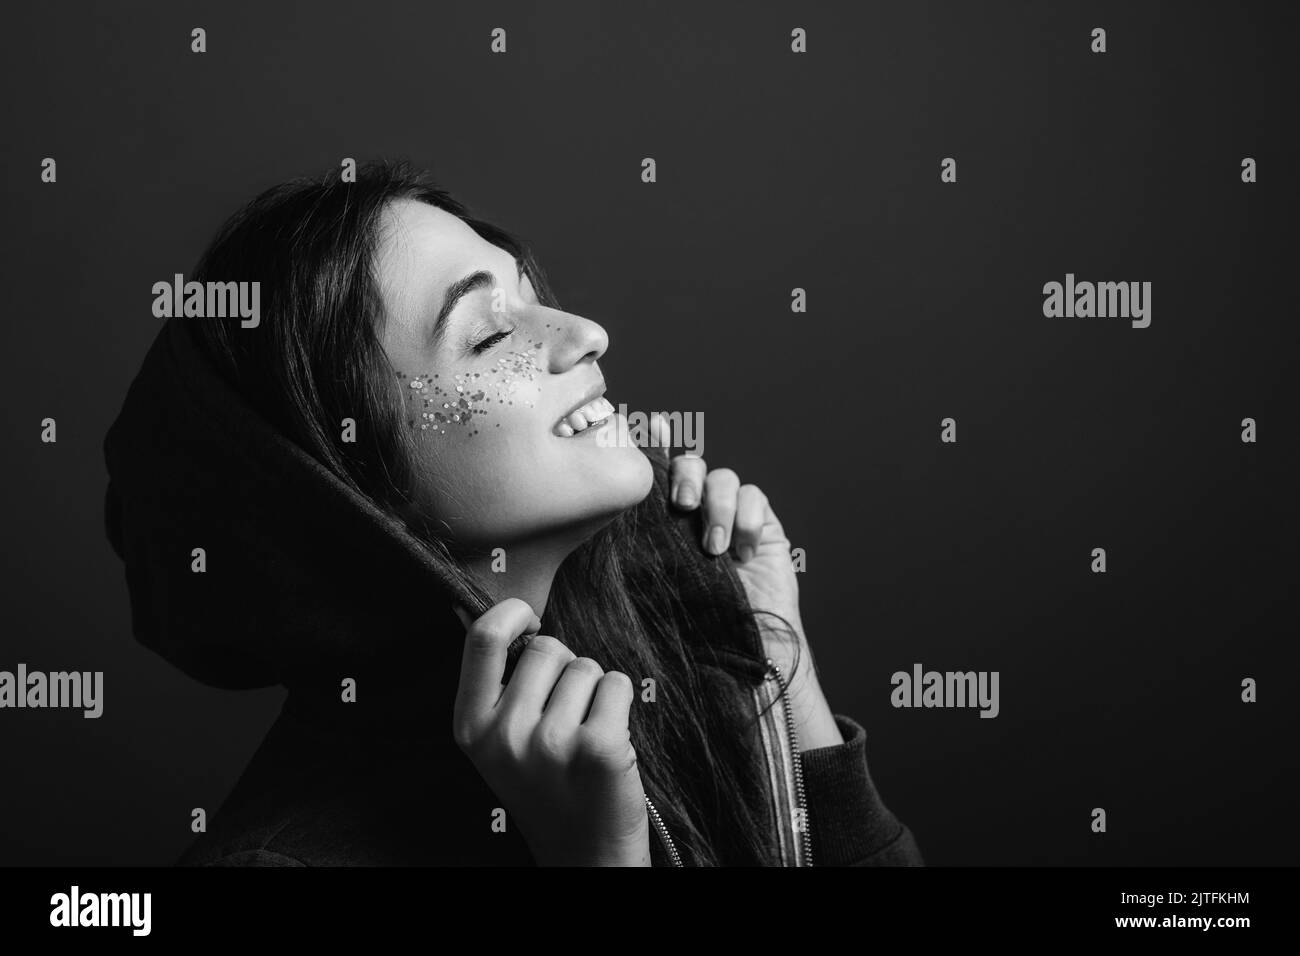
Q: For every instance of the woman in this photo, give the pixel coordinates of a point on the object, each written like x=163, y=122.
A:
x=509, y=634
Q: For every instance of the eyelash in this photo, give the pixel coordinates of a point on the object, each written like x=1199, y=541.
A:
x=491, y=340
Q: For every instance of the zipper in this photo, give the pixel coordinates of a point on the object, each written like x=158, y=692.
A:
x=663, y=833
x=796, y=761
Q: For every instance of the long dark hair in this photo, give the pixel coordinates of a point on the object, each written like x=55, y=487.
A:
x=316, y=358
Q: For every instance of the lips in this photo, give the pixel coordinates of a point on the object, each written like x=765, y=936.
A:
x=588, y=415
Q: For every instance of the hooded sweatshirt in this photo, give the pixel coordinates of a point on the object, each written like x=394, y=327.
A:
x=249, y=564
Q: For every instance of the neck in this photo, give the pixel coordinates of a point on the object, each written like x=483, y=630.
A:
x=523, y=570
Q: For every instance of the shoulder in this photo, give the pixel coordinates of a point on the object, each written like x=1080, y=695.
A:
x=314, y=797
x=396, y=816
x=348, y=834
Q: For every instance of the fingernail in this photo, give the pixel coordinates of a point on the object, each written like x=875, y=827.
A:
x=717, y=539
x=745, y=551
x=685, y=496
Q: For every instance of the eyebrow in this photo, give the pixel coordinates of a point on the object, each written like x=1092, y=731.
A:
x=482, y=279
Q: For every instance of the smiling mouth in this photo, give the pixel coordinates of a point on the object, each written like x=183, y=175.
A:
x=586, y=418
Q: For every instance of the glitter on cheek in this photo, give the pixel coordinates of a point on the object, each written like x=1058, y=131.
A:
x=462, y=404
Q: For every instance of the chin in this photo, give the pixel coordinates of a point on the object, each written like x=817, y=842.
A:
x=625, y=476
x=595, y=493
x=619, y=481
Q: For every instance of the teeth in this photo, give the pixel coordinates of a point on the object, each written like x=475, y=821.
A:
x=597, y=410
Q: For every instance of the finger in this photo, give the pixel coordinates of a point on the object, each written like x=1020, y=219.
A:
x=541, y=663
x=687, y=474
x=772, y=529
x=721, y=491
x=573, y=692
x=483, y=659
x=656, y=438
x=751, y=515
x=612, y=704
x=660, y=436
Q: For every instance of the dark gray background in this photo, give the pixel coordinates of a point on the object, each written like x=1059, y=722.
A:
x=775, y=170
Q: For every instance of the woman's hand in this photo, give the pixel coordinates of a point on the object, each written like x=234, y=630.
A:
x=739, y=518
x=554, y=744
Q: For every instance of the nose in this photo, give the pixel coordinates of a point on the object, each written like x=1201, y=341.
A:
x=576, y=340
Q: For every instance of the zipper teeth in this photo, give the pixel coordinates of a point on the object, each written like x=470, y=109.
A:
x=663, y=833
x=796, y=760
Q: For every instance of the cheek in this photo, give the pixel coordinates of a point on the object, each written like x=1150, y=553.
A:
x=466, y=403
x=474, y=430
x=460, y=407
x=492, y=468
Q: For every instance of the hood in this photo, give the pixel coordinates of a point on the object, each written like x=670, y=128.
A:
x=303, y=578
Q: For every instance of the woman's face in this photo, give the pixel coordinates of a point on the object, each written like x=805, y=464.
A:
x=499, y=390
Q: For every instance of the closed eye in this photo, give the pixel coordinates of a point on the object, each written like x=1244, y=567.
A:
x=490, y=341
